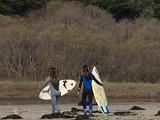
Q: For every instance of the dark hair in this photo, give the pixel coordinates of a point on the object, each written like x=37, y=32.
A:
x=85, y=66
x=52, y=69
x=83, y=69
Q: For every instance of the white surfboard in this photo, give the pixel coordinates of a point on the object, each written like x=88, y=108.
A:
x=64, y=87
x=96, y=74
x=99, y=93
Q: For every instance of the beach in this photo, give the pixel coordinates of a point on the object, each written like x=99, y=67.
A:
x=36, y=111
x=22, y=98
x=66, y=39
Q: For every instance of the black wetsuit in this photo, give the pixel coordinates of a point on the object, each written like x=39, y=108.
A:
x=87, y=89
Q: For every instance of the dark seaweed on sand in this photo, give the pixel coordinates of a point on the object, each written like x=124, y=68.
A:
x=137, y=108
x=12, y=116
x=56, y=115
x=158, y=114
x=75, y=110
x=124, y=113
x=70, y=114
x=83, y=117
x=96, y=111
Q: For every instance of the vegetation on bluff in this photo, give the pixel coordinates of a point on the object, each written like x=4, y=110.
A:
x=68, y=35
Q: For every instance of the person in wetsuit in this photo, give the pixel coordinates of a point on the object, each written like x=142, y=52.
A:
x=53, y=81
x=86, y=79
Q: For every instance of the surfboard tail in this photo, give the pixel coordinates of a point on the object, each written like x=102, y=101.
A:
x=105, y=110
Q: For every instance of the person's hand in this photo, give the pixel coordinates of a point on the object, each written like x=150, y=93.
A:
x=40, y=86
x=45, y=91
x=69, y=90
x=78, y=93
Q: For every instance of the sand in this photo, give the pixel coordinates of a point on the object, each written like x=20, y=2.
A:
x=35, y=111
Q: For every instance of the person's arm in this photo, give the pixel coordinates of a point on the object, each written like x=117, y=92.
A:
x=46, y=81
x=99, y=83
x=45, y=84
x=80, y=83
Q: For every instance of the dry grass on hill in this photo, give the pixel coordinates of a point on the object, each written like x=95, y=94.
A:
x=68, y=35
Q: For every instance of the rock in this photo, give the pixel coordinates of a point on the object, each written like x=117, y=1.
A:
x=96, y=111
x=75, y=110
x=158, y=114
x=56, y=115
x=12, y=116
x=124, y=113
x=137, y=108
x=69, y=113
x=82, y=117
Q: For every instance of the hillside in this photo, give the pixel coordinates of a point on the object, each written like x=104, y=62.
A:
x=68, y=35
x=120, y=9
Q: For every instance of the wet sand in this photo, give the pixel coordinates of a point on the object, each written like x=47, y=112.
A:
x=35, y=111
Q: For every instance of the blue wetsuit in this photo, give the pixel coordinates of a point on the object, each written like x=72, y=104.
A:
x=87, y=89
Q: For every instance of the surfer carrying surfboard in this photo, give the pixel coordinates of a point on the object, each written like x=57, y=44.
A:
x=86, y=78
x=53, y=81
